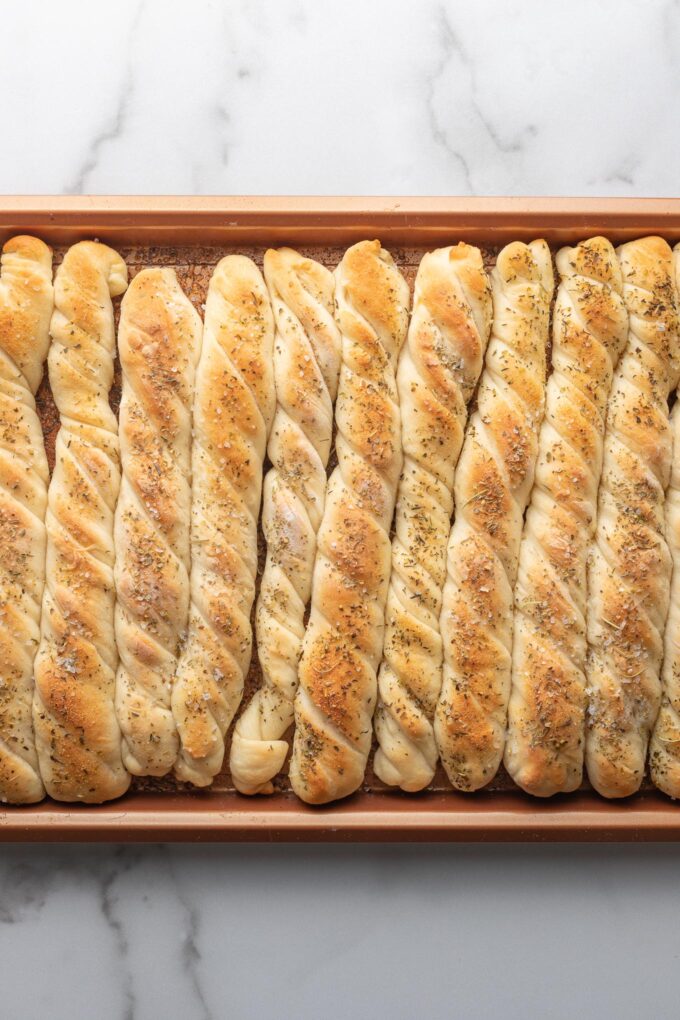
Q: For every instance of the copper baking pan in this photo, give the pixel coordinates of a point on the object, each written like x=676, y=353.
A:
x=192, y=233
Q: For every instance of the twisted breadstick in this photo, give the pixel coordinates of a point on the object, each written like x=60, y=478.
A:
x=306, y=366
x=546, y=714
x=159, y=343
x=343, y=641
x=492, y=485
x=233, y=410
x=664, y=747
x=630, y=569
x=26, y=300
x=438, y=371
x=76, y=730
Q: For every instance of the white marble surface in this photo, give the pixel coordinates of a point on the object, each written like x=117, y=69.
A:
x=362, y=96
x=296, y=96
x=326, y=932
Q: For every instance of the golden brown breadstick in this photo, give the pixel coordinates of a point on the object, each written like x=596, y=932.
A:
x=77, y=734
x=158, y=343
x=630, y=569
x=546, y=715
x=26, y=301
x=306, y=367
x=233, y=410
x=664, y=746
x=492, y=486
x=438, y=370
x=344, y=637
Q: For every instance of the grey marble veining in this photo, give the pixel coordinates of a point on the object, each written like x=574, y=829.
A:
x=363, y=96
x=248, y=932
x=366, y=96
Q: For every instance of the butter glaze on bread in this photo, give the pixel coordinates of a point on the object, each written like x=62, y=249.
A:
x=630, y=570
x=344, y=637
x=492, y=487
x=26, y=301
x=546, y=715
x=158, y=343
x=77, y=733
x=233, y=410
x=438, y=370
x=306, y=367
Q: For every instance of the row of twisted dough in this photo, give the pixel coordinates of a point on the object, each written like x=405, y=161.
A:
x=97, y=718
x=545, y=743
x=511, y=633
x=443, y=688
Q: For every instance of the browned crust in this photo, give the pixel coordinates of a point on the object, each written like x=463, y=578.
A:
x=629, y=579
x=77, y=734
x=546, y=738
x=343, y=642
x=492, y=487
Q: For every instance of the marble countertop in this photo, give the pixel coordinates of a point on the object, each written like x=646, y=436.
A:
x=309, y=96
x=365, y=96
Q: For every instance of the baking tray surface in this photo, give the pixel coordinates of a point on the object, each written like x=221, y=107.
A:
x=192, y=234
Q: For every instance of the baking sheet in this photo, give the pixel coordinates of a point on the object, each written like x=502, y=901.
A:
x=153, y=231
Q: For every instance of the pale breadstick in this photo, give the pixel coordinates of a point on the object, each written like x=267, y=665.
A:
x=233, y=409
x=438, y=370
x=76, y=730
x=492, y=486
x=665, y=743
x=159, y=341
x=664, y=747
x=343, y=642
x=546, y=714
x=306, y=366
x=26, y=300
x=630, y=569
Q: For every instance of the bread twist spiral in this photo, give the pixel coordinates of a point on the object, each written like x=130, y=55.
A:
x=76, y=729
x=630, y=568
x=306, y=367
x=546, y=714
x=664, y=747
x=26, y=301
x=233, y=410
x=492, y=485
x=343, y=642
x=438, y=370
x=158, y=342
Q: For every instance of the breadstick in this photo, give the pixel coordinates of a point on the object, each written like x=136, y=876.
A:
x=492, y=486
x=233, y=410
x=664, y=757
x=306, y=367
x=664, y=748
x=546, y=714
x=77, y=734
x=438, y=370
x=158, y=342
x=630, y=569
x=26, y=301
x=343, y=642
